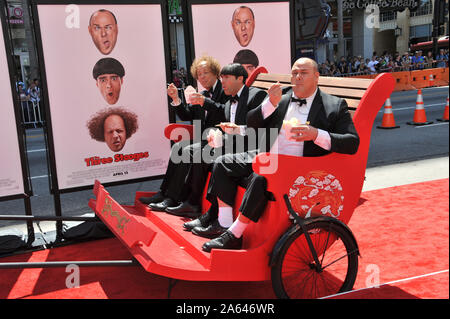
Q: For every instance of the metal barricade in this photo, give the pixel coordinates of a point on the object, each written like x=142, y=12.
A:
x=32, y=115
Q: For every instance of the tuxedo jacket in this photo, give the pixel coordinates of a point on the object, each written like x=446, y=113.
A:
x=214, y=106
x=249, y=99
x=327, y=112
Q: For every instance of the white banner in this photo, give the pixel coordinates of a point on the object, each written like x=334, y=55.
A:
x=11, y=178
x=247, y=33
x=106, y=77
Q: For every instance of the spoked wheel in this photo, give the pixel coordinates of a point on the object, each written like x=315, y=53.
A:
x=296, y=274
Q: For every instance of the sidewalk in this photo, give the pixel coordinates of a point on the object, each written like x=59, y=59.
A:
x=406, y=173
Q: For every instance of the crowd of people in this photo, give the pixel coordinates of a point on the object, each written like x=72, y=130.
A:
x=30, y=97
x=385, y=63
x=179, y=77
x=32, y=92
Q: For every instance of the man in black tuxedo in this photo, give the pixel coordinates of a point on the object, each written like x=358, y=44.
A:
x=242, y=100
x=206, y=108
x=329, y=128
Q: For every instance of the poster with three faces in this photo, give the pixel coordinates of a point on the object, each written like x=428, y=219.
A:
x=106, y=81
x=11, y=178
x=252, y=34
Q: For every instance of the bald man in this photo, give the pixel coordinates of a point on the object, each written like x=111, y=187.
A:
x=103, y=30
x=330, y=129
x=243, y=24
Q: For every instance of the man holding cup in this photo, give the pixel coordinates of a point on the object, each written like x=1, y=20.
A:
x=230, y=138
x=325, y=126
x=205, y=108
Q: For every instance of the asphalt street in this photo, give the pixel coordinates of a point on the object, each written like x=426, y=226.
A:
x=405, y=144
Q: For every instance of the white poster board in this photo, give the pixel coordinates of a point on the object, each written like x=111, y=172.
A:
x=11, y=177
x=222, y=30
x=127, y=57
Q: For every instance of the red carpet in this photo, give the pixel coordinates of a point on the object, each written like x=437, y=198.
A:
x=402, y=233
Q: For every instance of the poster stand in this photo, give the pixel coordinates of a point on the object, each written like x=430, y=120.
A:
x=26, y=182
x=54, y=182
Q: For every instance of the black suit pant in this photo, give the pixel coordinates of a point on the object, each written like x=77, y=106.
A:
x=187, y=171
x=233, y=170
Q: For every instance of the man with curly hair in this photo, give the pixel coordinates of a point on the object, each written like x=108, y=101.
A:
x=113, y=126
x=207, y=109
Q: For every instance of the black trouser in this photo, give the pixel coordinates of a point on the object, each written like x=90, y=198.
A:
x=233, y=170
x=187, y=172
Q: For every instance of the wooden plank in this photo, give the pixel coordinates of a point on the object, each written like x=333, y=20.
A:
x=352, y=90
x=323, y=80
x=345, y=82
x=352, y=104
x=273, y=77
x=266, y=85
x=262, y=85
x=352, y=113
x=343, y=92
x=339, y=91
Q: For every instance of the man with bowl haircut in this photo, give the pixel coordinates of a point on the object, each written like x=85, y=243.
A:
x=328, y=128
x=248, y=59
x=242, y=100
x=114, y=126
x=243, y=24
x=108, y=74
x=103, y=29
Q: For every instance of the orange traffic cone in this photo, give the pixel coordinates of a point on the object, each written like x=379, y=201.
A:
x=388, y=121
x=445, y=117
x=420, y=118
x=431, y=80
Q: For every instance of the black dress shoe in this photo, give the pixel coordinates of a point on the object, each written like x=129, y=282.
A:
x=185, y=209
x=157, y=198
x=203, y=221
x=225, y=241
x=211, y=231
x=161, y=207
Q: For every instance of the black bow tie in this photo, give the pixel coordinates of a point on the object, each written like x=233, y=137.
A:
x=234, y=99
x=299, y=101
x=211, y=92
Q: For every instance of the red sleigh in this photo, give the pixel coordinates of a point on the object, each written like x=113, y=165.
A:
x=310, y=256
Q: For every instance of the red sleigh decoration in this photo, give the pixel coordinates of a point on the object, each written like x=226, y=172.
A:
x=321, y=186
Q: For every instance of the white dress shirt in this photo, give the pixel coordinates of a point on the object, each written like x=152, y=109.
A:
x=234, y=106
x=285, y=146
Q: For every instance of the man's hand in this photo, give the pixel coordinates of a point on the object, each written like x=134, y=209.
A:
x=197, y=98
x=172, y=91
x=304, y=133
x=275, y=94
x=229, y=128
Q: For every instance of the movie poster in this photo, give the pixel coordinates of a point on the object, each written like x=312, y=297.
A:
x=106, y=79
x=253, y=34
x=11, y=178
